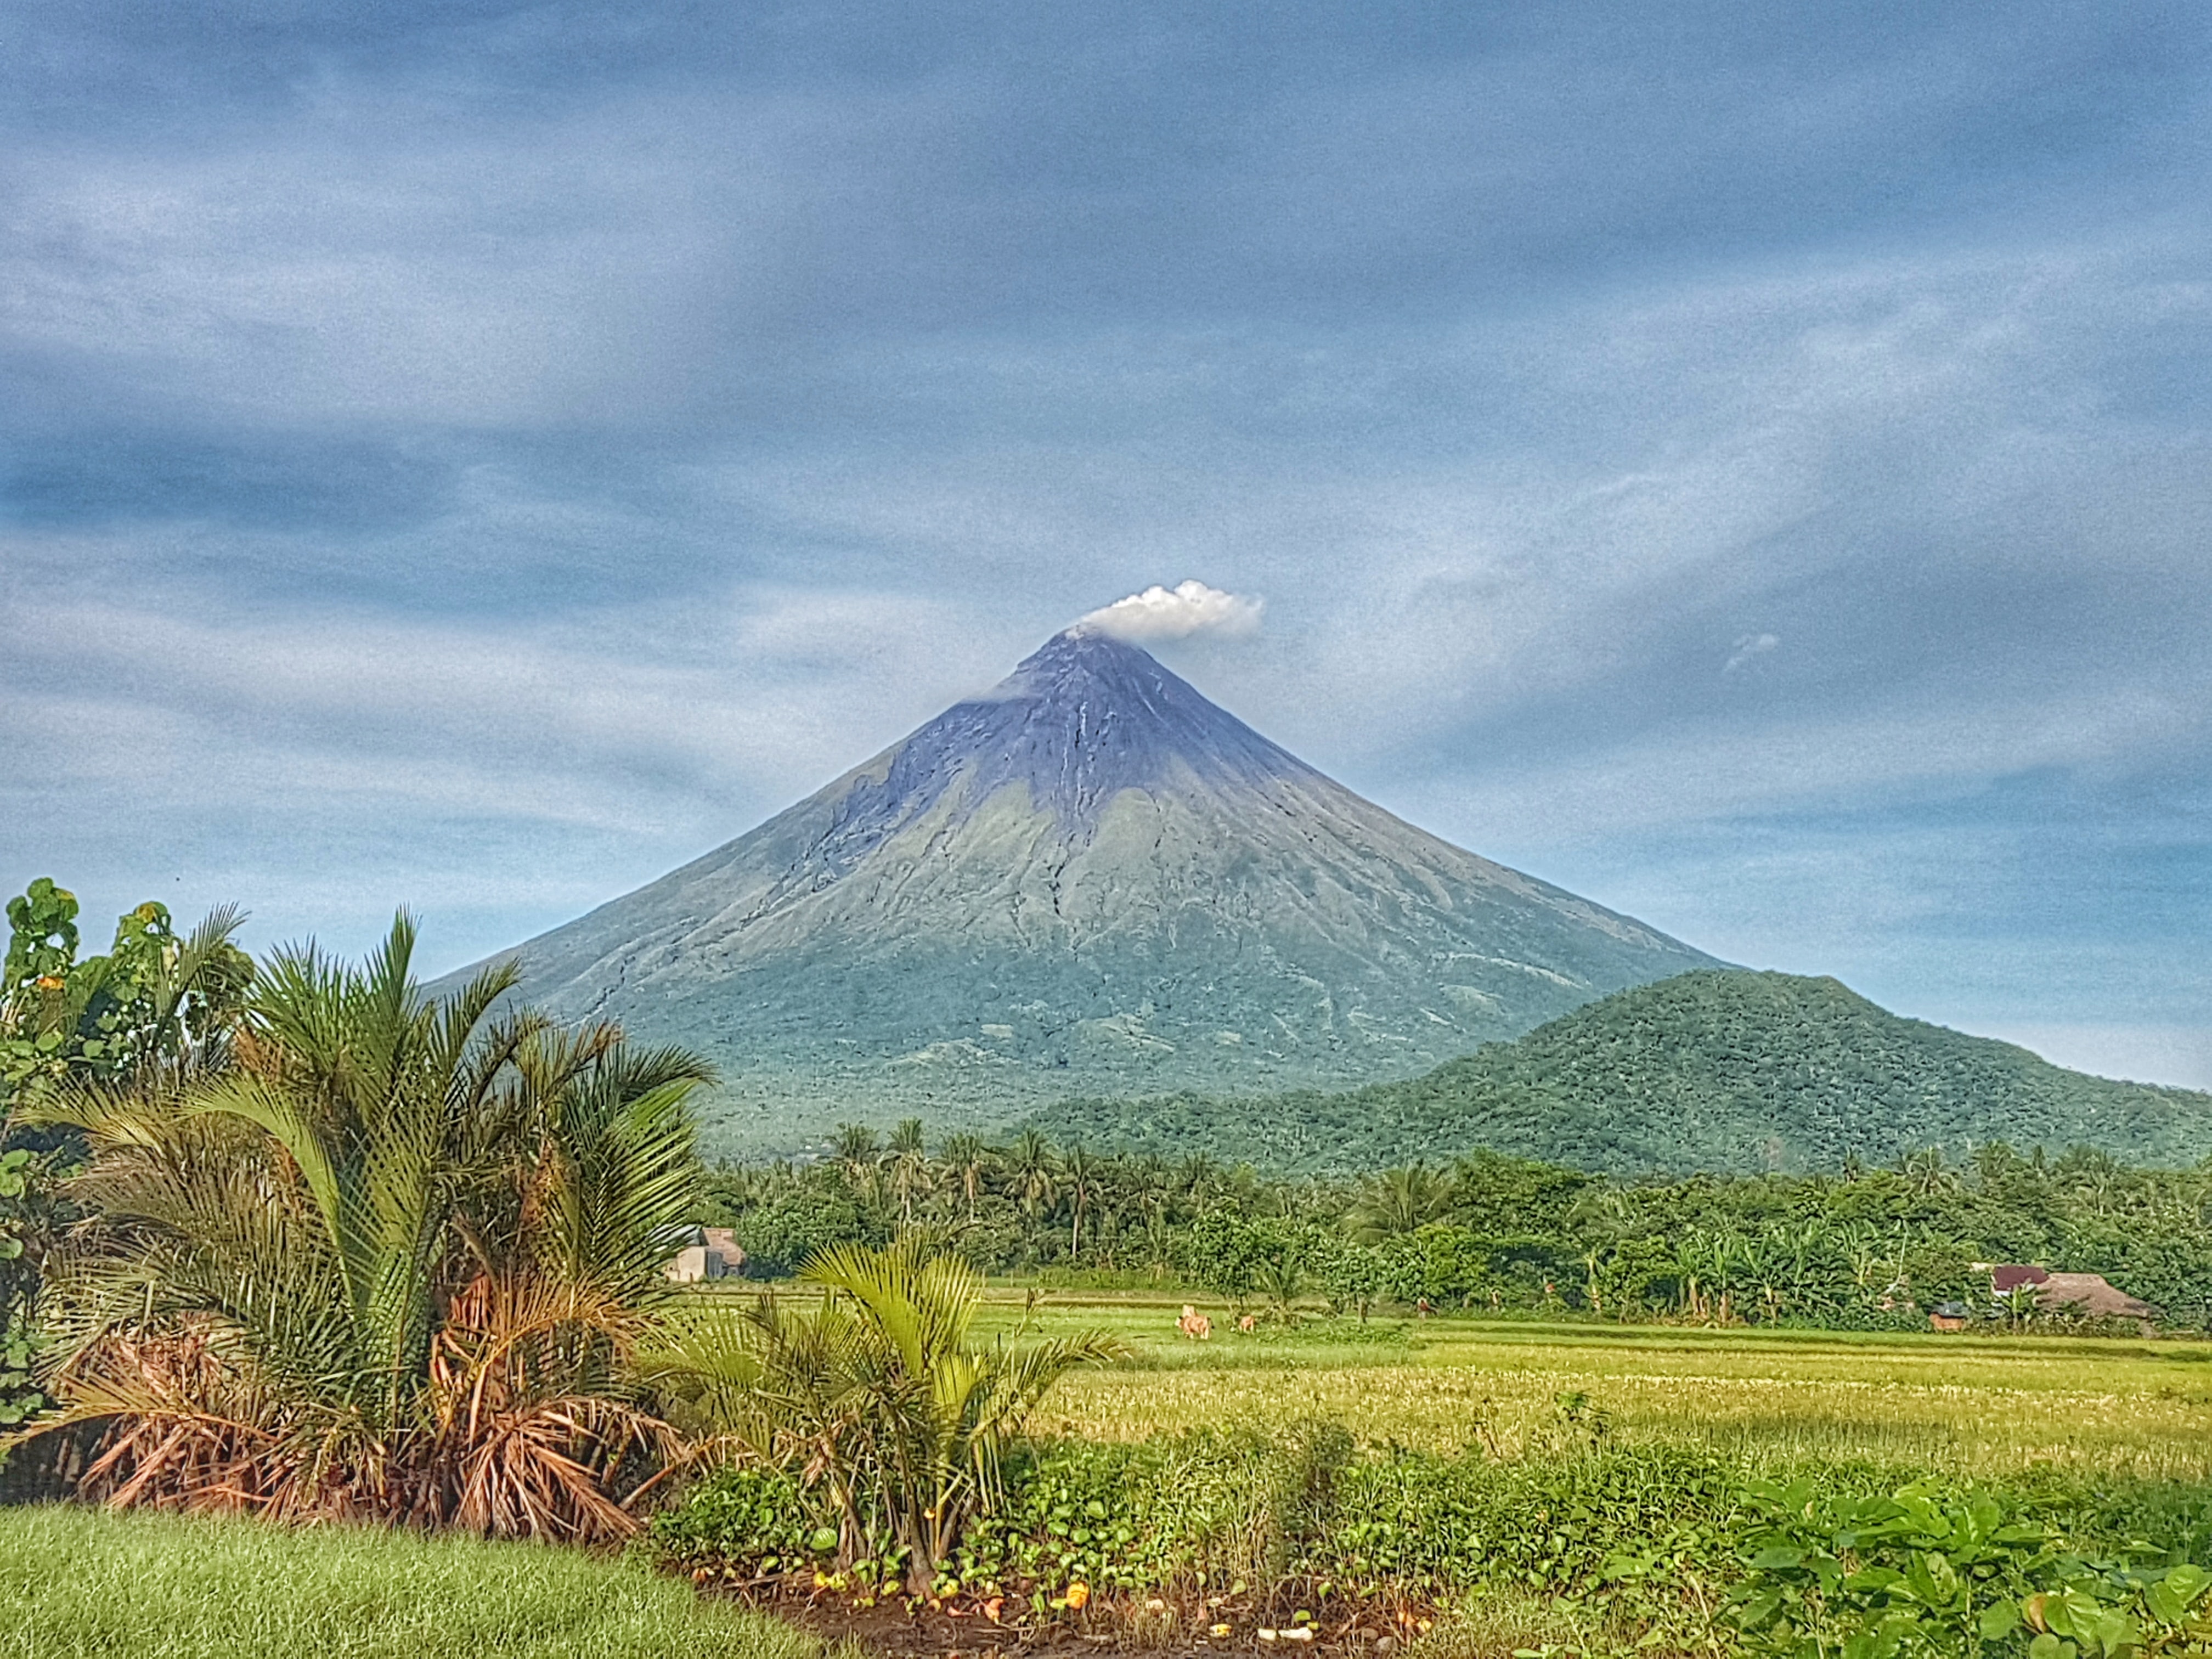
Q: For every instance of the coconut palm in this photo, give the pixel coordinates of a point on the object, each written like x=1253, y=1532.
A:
x=1926, y=1174
x=1196, y=1177
x=860, y=1155
x=1033, y=1173
x=1081, y=1175
x=968, y=1158
x=910, y=1166
x=1399, y=1201
x=390, y=1263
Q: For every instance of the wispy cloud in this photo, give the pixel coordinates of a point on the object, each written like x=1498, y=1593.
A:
x=1747, y=648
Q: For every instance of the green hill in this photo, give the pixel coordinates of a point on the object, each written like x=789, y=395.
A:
x=1715, y=1071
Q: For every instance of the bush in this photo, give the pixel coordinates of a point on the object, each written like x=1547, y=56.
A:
x=1563, y=1521
x=780, y=1233
x=750, y=1520
x=1643, y=1543
x=1927, y=1572
x=19, y=1399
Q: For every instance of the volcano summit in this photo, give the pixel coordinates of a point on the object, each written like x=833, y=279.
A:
x=1090, y=880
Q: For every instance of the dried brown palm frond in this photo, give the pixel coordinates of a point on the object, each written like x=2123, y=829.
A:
x=528, y=1436
x=184, y=1429
x=547, y=1470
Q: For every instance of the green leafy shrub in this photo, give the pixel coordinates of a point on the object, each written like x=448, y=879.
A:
x=759, y=1520
x=1634, y=1544
x=1565, y=1522
x=783, y=1231
x=1924, y=1572
x=18, y=1398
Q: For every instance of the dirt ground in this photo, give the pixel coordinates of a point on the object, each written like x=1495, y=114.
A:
x=1152, y=1627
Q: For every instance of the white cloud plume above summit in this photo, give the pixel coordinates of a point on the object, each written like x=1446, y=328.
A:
x=1175, y=613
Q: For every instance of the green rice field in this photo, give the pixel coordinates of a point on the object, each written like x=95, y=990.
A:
x=1983, y=1407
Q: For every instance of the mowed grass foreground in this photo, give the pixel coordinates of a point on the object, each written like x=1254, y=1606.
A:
x=80, y=1581
x=1981, y=1408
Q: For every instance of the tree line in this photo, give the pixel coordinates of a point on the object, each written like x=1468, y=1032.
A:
x=1868, y=1247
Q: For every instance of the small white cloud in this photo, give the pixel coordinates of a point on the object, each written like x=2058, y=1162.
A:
x=1748, y=646
x=1175, y=613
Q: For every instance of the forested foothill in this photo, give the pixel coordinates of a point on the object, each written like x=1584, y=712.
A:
x=1724, y=1071
x=296, y=1240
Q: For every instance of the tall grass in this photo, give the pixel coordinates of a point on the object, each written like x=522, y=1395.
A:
x=76, y=1582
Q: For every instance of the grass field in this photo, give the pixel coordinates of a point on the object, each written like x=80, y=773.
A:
x=1980, y=1407
x=79, y=1582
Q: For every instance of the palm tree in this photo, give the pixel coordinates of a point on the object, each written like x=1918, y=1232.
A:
x=880, y=1393
x=390, y=1264
x=1081, y=1173
x=1926, y=1173
x=909, y=1165
x=1152, y=1186
x=1399, y=1201
x=967, y=1158
x=1197, y=1176
x=1033, y=1173
x=1283, y=1281
x=858, y=1154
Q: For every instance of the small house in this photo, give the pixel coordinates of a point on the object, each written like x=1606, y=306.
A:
x=703, y=1253
x=2086, y=1296
x=1950, y=1316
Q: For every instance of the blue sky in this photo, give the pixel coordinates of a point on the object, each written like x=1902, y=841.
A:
x=1746, y=463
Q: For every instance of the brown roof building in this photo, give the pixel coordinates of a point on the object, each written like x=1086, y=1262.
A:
x=2089, y=1294
x=704, y=1253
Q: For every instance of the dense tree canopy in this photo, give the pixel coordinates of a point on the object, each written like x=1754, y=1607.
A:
x=154, y=1006
x=1868, y=1247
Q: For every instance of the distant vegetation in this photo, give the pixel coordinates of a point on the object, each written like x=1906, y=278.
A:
x=1721, y=1071
x=1871, y=1247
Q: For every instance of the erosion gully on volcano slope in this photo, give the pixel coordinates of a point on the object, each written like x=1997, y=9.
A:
x=1088, y=880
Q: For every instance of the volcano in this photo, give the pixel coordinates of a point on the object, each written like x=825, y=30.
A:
x=1090, y=880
